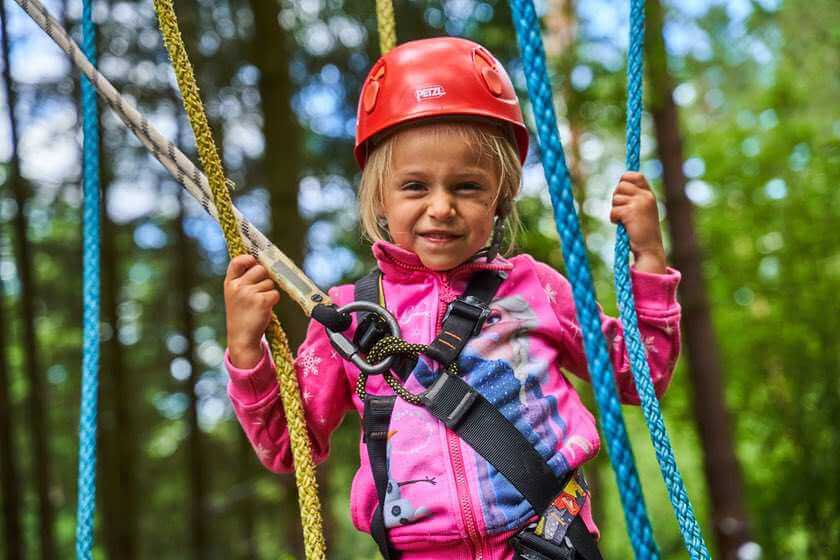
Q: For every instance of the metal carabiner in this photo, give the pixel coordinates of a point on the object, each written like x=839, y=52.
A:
x=350, y=352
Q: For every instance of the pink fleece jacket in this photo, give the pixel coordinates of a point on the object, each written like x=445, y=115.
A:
x=445, y=501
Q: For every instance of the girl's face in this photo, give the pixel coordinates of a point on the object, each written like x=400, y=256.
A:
x=440, y=197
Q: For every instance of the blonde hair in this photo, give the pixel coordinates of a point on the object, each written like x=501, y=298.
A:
x=493, y=143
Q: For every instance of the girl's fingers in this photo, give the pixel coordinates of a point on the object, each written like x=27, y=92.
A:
x=635, y=178
x=256, y=273
x=621, y=199
x=239, y=265
x=626, y=187
x=264, y=285
x=271, y=298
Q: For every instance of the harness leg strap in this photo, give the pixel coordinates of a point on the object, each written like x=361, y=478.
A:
x=377, y=420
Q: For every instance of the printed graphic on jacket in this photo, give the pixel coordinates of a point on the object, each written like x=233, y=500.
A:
x=500, y=365
x=398, y=510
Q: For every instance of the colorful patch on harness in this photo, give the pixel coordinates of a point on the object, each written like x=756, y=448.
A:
x=555, y=521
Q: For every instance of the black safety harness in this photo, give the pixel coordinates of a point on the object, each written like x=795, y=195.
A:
x=471, y=416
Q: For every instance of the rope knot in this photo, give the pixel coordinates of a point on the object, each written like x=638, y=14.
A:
x=393, y=346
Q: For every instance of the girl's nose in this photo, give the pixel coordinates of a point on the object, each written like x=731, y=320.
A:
x=441, y=206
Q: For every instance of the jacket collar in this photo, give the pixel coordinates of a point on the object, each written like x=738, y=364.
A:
x=397, y=262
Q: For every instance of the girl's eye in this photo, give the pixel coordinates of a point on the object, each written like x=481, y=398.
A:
x=412, y=186
x=470, y=186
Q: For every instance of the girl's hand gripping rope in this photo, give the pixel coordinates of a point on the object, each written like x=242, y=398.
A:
x=250, y=295
x=634, y=205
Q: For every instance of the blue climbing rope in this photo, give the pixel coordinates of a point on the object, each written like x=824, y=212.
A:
x=560, y=189
x=86, y=506
x=689, y=527
x=574, y=252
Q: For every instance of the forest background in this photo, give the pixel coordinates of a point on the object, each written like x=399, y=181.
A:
x=741, y=141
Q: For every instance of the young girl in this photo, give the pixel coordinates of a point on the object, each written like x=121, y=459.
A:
x=441, y=140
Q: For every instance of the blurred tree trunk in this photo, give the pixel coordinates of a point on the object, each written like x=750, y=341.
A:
x=12, y=513
x=195, y=459
x=10, y=484
x=119, y=519
x=37, y=395
x=270, y=52
x=561, y=49
x=247, y=514
x=185, y=268
x=723, y=475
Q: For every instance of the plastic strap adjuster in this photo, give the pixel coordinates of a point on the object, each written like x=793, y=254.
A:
x=470, y=308
x=454, y=416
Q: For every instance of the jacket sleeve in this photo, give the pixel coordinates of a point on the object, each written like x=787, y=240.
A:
x=325, y=393
x=659, y=324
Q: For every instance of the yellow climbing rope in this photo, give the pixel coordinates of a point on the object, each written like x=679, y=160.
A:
x=386, y=24
x=310, y=507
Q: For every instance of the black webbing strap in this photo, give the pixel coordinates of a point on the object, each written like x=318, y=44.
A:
x=530, y=546
x=367, y=288
x=377, y=419
x=494, y=437
x=582, y=540
x=377, y=416
x=369, y=328
x=465, y=316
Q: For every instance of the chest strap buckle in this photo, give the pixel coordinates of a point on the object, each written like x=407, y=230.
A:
x=470, y=308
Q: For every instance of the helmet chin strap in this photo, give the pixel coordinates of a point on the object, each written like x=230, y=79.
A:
x=502, y=211
x=496, y=240
x=492, y=251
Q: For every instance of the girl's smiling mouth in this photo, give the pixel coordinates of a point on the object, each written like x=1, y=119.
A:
x=439, y=237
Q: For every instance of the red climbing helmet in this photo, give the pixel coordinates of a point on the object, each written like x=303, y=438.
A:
x=444, y=76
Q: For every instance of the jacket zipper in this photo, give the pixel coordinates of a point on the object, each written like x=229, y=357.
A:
x=474, y=543
x=456, y=458
x=474, y=539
